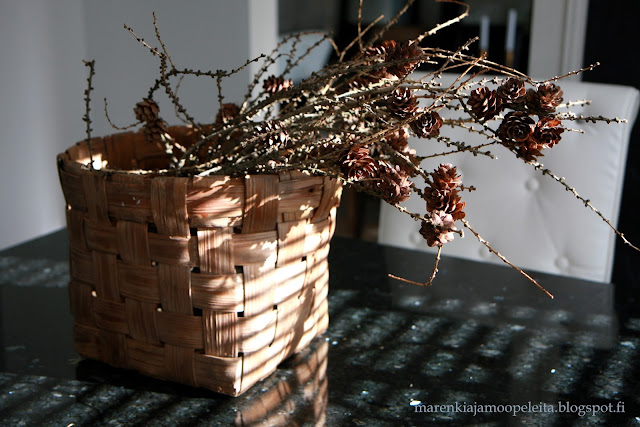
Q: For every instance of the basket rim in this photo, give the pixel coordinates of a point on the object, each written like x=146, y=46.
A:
x=69, y=162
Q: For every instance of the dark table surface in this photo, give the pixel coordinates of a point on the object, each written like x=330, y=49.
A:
x=480, y=339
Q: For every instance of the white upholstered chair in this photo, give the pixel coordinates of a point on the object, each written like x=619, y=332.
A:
x=528, y=217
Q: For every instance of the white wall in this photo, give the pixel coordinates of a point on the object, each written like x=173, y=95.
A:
x=42, y=79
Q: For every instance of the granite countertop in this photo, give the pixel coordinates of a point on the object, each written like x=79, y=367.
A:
x=481, y=338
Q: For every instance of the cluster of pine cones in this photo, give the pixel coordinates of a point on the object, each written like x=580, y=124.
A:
x=384, y=167
x=365, y=165
x=389, y=60
x=389, y=181
x=444, y=206
x=519, y=131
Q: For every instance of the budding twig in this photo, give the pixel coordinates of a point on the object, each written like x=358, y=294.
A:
x=164, y=49
x=87, y=101
x=587, y=203
x=447, y=23
x=502, y=257
x=572, y=73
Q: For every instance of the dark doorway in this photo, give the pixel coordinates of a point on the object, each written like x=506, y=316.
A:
x=612, y=38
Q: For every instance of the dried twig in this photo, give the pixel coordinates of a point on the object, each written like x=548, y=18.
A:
x=113, y=125
x=586, y=202
x=502, y=257
x=431, y=278
x=447, y=23
x=572, y=73
x=87, y=108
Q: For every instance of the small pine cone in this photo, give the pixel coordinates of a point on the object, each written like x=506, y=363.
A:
x=358, y=165
x=399, y=54
x=273, y=84
x=446, y=177
x=512, y=91
x=271, y=134
x=155, y=131
x=402, y=103
x=394, y=185
x=381, y=49
x=516, y=127
x=402, y=53
x=545, y=99
x=228, y=112
x=146, y=110
x=370, y=77
x=484, y=103
x=547, y=132
x=529, y=151
x=448, y=201
x=427, y=125
x=398, y=140
x=440, y=230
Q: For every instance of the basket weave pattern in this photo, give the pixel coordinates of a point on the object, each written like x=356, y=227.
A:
x=208, y=281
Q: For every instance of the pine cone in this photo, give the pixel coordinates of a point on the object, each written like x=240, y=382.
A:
x=398, y=140
x=528, y=151
x=358, y=164
x=442, y=193
x=427, y=125
x=370, y=77
x=402, y=53
x=516, y=127
x=146, y=110
x=271, y=134
x=393, y=186
x=382, y=49
x=484, y=103
x=517, y=131
x=155, y=131
x=388, y=51
x=438, y=232
x=547, y=132
x=512, y=91
x=545, y=99
x=445, y=177
x=228, y=112
x=273, y=84
x=448, y=201
x=402, y=103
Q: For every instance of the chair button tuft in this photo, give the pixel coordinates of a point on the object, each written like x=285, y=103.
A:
x=532, y=184
x=562, y=263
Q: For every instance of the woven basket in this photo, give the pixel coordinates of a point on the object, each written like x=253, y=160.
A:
x=207, y=281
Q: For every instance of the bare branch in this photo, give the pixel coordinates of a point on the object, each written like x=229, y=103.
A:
x=87, y=101
x=505, y=260
x=431, y=278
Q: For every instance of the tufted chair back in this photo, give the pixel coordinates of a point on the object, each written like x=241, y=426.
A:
x=528, y=217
